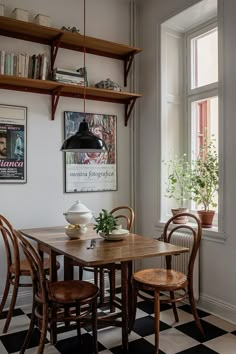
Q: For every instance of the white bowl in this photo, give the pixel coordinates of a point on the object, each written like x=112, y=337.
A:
x=116, y=235
x=74, y=232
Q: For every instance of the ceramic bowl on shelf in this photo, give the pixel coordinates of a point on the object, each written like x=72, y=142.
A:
x=78, y=214
x=75, y=231
x=115, y=235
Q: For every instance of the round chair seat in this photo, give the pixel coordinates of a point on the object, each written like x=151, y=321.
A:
x=161, y=278
x=71, y=290
x=25, y=267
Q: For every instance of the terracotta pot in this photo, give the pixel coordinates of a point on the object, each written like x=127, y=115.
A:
x=181, y=219
x=206, y=218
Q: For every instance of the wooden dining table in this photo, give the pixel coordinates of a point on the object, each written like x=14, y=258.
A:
x=54, y=241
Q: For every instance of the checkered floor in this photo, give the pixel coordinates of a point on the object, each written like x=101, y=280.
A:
x=182, y=337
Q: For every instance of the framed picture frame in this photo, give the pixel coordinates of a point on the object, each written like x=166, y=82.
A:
x=91, y=172
x=13, y=134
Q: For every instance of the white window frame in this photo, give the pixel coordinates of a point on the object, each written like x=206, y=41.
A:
x=216, y=234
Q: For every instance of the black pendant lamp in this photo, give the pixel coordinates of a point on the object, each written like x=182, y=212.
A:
x=84, y=140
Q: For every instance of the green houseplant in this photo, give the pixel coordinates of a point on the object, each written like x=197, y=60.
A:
x=179, y=184
x=205, y=181
x=106, y=223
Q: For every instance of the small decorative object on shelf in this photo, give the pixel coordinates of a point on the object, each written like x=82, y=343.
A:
x=43, y=20
x=20, y=14
x=70, y=29
x=2, y=7
x=108, y=84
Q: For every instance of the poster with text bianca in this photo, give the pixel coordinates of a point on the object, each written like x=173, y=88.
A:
x=91, y=171
x=13, y=144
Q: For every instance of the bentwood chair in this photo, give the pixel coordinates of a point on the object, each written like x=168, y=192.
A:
x=16, y=268
x=174, y=283
x=60, y=301
x=124, y=216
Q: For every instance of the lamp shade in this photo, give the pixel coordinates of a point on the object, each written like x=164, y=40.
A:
x=84, y=141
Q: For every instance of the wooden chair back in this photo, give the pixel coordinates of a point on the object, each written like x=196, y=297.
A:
x=10, y=243
x=195, y=231
x=36, y=267
x=124, y=214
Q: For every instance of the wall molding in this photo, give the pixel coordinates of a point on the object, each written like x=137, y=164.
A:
x=217, y=307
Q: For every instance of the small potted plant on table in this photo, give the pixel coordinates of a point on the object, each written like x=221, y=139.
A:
x=179, y=185
x=205, y=180
x=106, y=223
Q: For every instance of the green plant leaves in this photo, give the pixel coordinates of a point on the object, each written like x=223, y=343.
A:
x=106, y=222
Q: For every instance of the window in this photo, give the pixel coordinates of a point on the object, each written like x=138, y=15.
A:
x=202, y=90
x=189, y=89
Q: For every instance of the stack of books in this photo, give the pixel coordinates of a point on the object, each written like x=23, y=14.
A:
x=78, y=77
x=24, y=65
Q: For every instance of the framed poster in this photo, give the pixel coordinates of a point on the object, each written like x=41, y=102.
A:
x=91, y=172
x=13, y=120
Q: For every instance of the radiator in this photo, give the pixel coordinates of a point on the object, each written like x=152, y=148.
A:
x=180, y=262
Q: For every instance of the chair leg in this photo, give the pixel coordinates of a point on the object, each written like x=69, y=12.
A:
x=112, y=282
x=134, y=308
x=12, y=305
x=95, y=326
x=157, y=319
x=172, y=296
x=53, y=326
x=78, y=323
x=30, y=331
x=5, y=293
x=43, y=329
x=194, y=309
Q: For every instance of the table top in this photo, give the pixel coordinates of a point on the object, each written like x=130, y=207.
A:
x=131, y=247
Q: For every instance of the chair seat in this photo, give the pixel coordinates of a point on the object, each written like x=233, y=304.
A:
x=25, y=267
x=70, y=291
x=161, y=278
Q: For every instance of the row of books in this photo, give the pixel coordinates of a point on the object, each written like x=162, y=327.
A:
x=78, y=77
x=24, y=65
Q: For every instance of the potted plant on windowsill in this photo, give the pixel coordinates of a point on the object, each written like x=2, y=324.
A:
x=179, y=185
x=205, y=182
x=106, y=223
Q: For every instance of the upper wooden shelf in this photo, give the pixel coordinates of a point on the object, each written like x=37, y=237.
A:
x=57, y=89
x=47, y=35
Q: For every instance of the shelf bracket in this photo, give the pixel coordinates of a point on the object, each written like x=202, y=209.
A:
x=127, y=65
x=55, y=45
x=55, y=99
x=128, y=109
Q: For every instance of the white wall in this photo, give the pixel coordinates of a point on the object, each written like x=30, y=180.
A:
x=218, y=261
x=42, y=201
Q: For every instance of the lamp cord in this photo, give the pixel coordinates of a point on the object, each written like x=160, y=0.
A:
x=84, y=70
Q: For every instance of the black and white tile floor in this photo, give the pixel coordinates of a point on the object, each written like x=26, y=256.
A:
x=182, y=337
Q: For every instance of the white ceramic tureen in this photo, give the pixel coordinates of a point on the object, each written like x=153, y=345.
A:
x=78, y=214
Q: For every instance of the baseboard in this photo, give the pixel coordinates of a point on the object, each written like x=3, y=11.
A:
x=218, y=308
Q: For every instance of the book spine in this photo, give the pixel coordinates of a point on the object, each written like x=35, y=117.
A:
x=2, y=67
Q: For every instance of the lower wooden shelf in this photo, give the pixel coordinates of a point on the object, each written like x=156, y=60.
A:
x=58, y=89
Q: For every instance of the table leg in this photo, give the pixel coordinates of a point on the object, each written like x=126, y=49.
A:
x=126, y=272
x=68, y=269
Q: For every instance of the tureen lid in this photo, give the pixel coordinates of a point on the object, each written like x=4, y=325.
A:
x=78, y=207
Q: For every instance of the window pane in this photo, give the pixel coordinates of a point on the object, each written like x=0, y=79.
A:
x=205, y=125
x=204, y=61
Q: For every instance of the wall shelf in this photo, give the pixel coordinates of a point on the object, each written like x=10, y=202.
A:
x=56, y=39
x=58, y=89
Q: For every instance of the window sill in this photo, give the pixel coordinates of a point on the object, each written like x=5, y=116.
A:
x=212, y=234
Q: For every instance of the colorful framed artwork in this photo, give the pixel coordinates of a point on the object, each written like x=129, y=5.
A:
x=13, y=124
x=91, y=172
